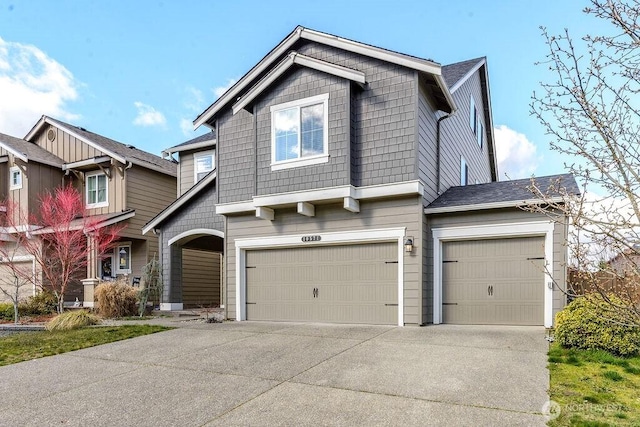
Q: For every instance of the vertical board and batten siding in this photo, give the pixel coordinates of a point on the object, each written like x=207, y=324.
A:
x=381, y=214
x=185, y=172
x=501, y=216
x=65, y=146
x=40, y=178
x=299, y=84
x=71, y=149
x=200, y=278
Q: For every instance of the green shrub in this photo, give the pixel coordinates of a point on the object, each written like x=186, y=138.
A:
x=116, y=299
x=72, y=320
x=44, y=302
x=591, y=323
x=6, y=311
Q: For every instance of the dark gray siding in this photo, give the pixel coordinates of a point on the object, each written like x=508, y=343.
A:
x=197, y=214
x=379, y=123
x=237, y=157
x=458, y=139
x=299, y=84
x=383, y=117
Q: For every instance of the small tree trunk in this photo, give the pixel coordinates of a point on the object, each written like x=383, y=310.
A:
x=15, y=312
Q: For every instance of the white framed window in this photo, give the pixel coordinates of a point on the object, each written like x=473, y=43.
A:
x=299, y=132
x=464, y=171
x=97, y=190
x=473, y=115
x=15, y=178
x=203, y=164
x=123, y=258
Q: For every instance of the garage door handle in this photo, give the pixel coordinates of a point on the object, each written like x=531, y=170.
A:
x=391, y=305
x=315, y=292
x=490, y=290
x=449, y=303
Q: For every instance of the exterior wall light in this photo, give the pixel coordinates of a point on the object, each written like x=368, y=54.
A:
x=408, y=244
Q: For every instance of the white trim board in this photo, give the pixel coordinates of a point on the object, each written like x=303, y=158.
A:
x=323, y=194
x=332, y=238
x=196, y=232
x=518, y=229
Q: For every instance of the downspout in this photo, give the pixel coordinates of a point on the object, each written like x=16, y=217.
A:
x=438, y=152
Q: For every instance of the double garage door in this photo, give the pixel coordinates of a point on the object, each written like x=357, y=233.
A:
x=497, y=281
x=341, y=284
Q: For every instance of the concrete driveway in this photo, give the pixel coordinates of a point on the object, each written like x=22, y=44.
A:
x=246, y=373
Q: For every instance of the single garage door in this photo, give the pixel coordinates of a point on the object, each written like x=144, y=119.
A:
x=341, y=284
x=497, y=281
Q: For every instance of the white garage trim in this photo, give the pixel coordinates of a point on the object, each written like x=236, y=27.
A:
x=195, y=231
x=25, y=258
x=521, y=229
x=334, y=238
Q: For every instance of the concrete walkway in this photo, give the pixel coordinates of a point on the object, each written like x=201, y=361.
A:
x=269, y=374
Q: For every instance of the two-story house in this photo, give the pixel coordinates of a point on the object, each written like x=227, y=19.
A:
x=354, y=184
x=120, y=184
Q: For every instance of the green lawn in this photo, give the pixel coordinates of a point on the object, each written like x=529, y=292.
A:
x=32, y=345
x=594, y=388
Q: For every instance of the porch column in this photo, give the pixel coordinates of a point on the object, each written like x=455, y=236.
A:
x=89, y=284
x=172, y=278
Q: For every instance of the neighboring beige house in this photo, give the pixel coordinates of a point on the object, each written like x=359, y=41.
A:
x=354, y=184
x=120, y=183
x=626, y=263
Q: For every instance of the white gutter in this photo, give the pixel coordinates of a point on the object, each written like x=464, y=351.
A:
x=492, y=205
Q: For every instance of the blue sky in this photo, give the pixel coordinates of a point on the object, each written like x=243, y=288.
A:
x=141, y=71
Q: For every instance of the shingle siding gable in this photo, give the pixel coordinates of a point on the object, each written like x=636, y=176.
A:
x=372, y=132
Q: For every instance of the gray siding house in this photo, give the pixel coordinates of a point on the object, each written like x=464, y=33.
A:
x=354, y=184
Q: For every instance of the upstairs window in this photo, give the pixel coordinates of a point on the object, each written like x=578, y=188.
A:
x=464, y=171
x=475, y=122
x=96, y=184
x=204, y=163
x=15, y=178
x=299, y=132
x=473, y=115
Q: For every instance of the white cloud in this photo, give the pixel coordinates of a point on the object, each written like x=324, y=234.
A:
x=517, y=156
x=148, y=116
x=32, y=84
x=220, y=90
x=195, y=99
x=187, y=127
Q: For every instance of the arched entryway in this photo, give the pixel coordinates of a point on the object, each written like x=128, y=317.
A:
x=197, y=269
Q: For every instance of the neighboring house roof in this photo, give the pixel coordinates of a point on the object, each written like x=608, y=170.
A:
x=202, y=141
x=457, y=73
x=122, y=152
x=427, y=67
x=179, y=202
x=502, y=194
x=28, y=151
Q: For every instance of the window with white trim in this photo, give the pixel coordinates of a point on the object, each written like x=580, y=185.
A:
x=464, y=171
x=475, y=122
x=15, y=178
x=299, y=132
x=97, y=190
x=473, y=115
x=203, y=164
x=123, y=258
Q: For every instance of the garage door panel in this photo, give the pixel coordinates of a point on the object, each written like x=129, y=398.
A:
x=355, y=283
x=498, y=281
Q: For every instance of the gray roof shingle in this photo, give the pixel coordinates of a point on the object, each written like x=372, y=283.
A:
x=505, y=191
x=32, y=151
x=452, y=73
x=129, y=152
x=209, y=136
